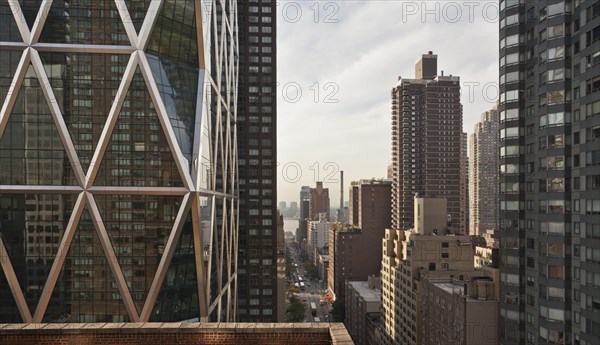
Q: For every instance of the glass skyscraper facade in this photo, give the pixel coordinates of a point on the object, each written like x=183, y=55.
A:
x=549, y=172
x=118, y=160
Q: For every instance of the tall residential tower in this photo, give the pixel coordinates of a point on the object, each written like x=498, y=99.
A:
x=426, y=143
x=318, y=202
x=550, y=172
x=257, y=146
x=483, y=173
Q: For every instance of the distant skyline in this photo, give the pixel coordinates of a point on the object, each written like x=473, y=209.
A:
x=355, y=51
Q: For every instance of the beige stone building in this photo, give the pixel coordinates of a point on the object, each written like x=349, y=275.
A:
x=461, y=312
x=409, y=256
x=488, y=254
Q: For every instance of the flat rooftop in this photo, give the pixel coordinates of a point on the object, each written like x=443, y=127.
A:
x=157, y=333
x=450, y=287
x=368, y=294
x=456, y=289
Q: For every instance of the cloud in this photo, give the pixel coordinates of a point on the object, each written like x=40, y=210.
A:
x=361, y=56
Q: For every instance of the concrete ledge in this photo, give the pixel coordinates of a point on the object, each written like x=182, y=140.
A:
x=188, y=333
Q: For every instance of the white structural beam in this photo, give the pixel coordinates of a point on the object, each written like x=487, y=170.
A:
x=17, y=12
x=180, y=161
x=40, y=20
x=99, y=190
x=27, y=189
x=111, y=120
x=59, y=121
x=127, y=22
x=148, y=25
x=83, y=48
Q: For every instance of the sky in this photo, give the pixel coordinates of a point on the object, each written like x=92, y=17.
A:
x=337, y=64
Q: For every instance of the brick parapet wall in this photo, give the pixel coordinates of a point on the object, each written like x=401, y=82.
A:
x=175, y=333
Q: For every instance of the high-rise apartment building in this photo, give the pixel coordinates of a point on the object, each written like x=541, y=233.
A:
x=346, y=253
x=483, y=174
x=464, y=183
x=372, y=211
x=342, y=211
x=318, y=202
x=348, y=245
x=426, y=142
x=549, y=172
x=118, y=178
x=257, y=147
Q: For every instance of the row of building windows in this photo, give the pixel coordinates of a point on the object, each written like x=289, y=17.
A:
x=553, y=206
x=553, y=119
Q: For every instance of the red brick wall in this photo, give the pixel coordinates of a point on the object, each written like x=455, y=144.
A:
x=167, y=339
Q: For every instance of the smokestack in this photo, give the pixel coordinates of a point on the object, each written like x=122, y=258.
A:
x=341, y=190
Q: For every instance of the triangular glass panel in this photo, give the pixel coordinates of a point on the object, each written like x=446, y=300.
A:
x=137, y=12
x=9, y=312
x=85, y=86
x=178, y=87
x=173, y=58
x=30, y=9
x=86, y=290
x=10, y=31
x=177, y=42
x=32, y=228
x=84, y=22
x=139, y=227
x=31, y=151
x=8, y=67
x=205, y=164
x=178, y=296
x=138, y=153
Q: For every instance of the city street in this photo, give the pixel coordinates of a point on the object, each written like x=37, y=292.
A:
x=311, y=294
